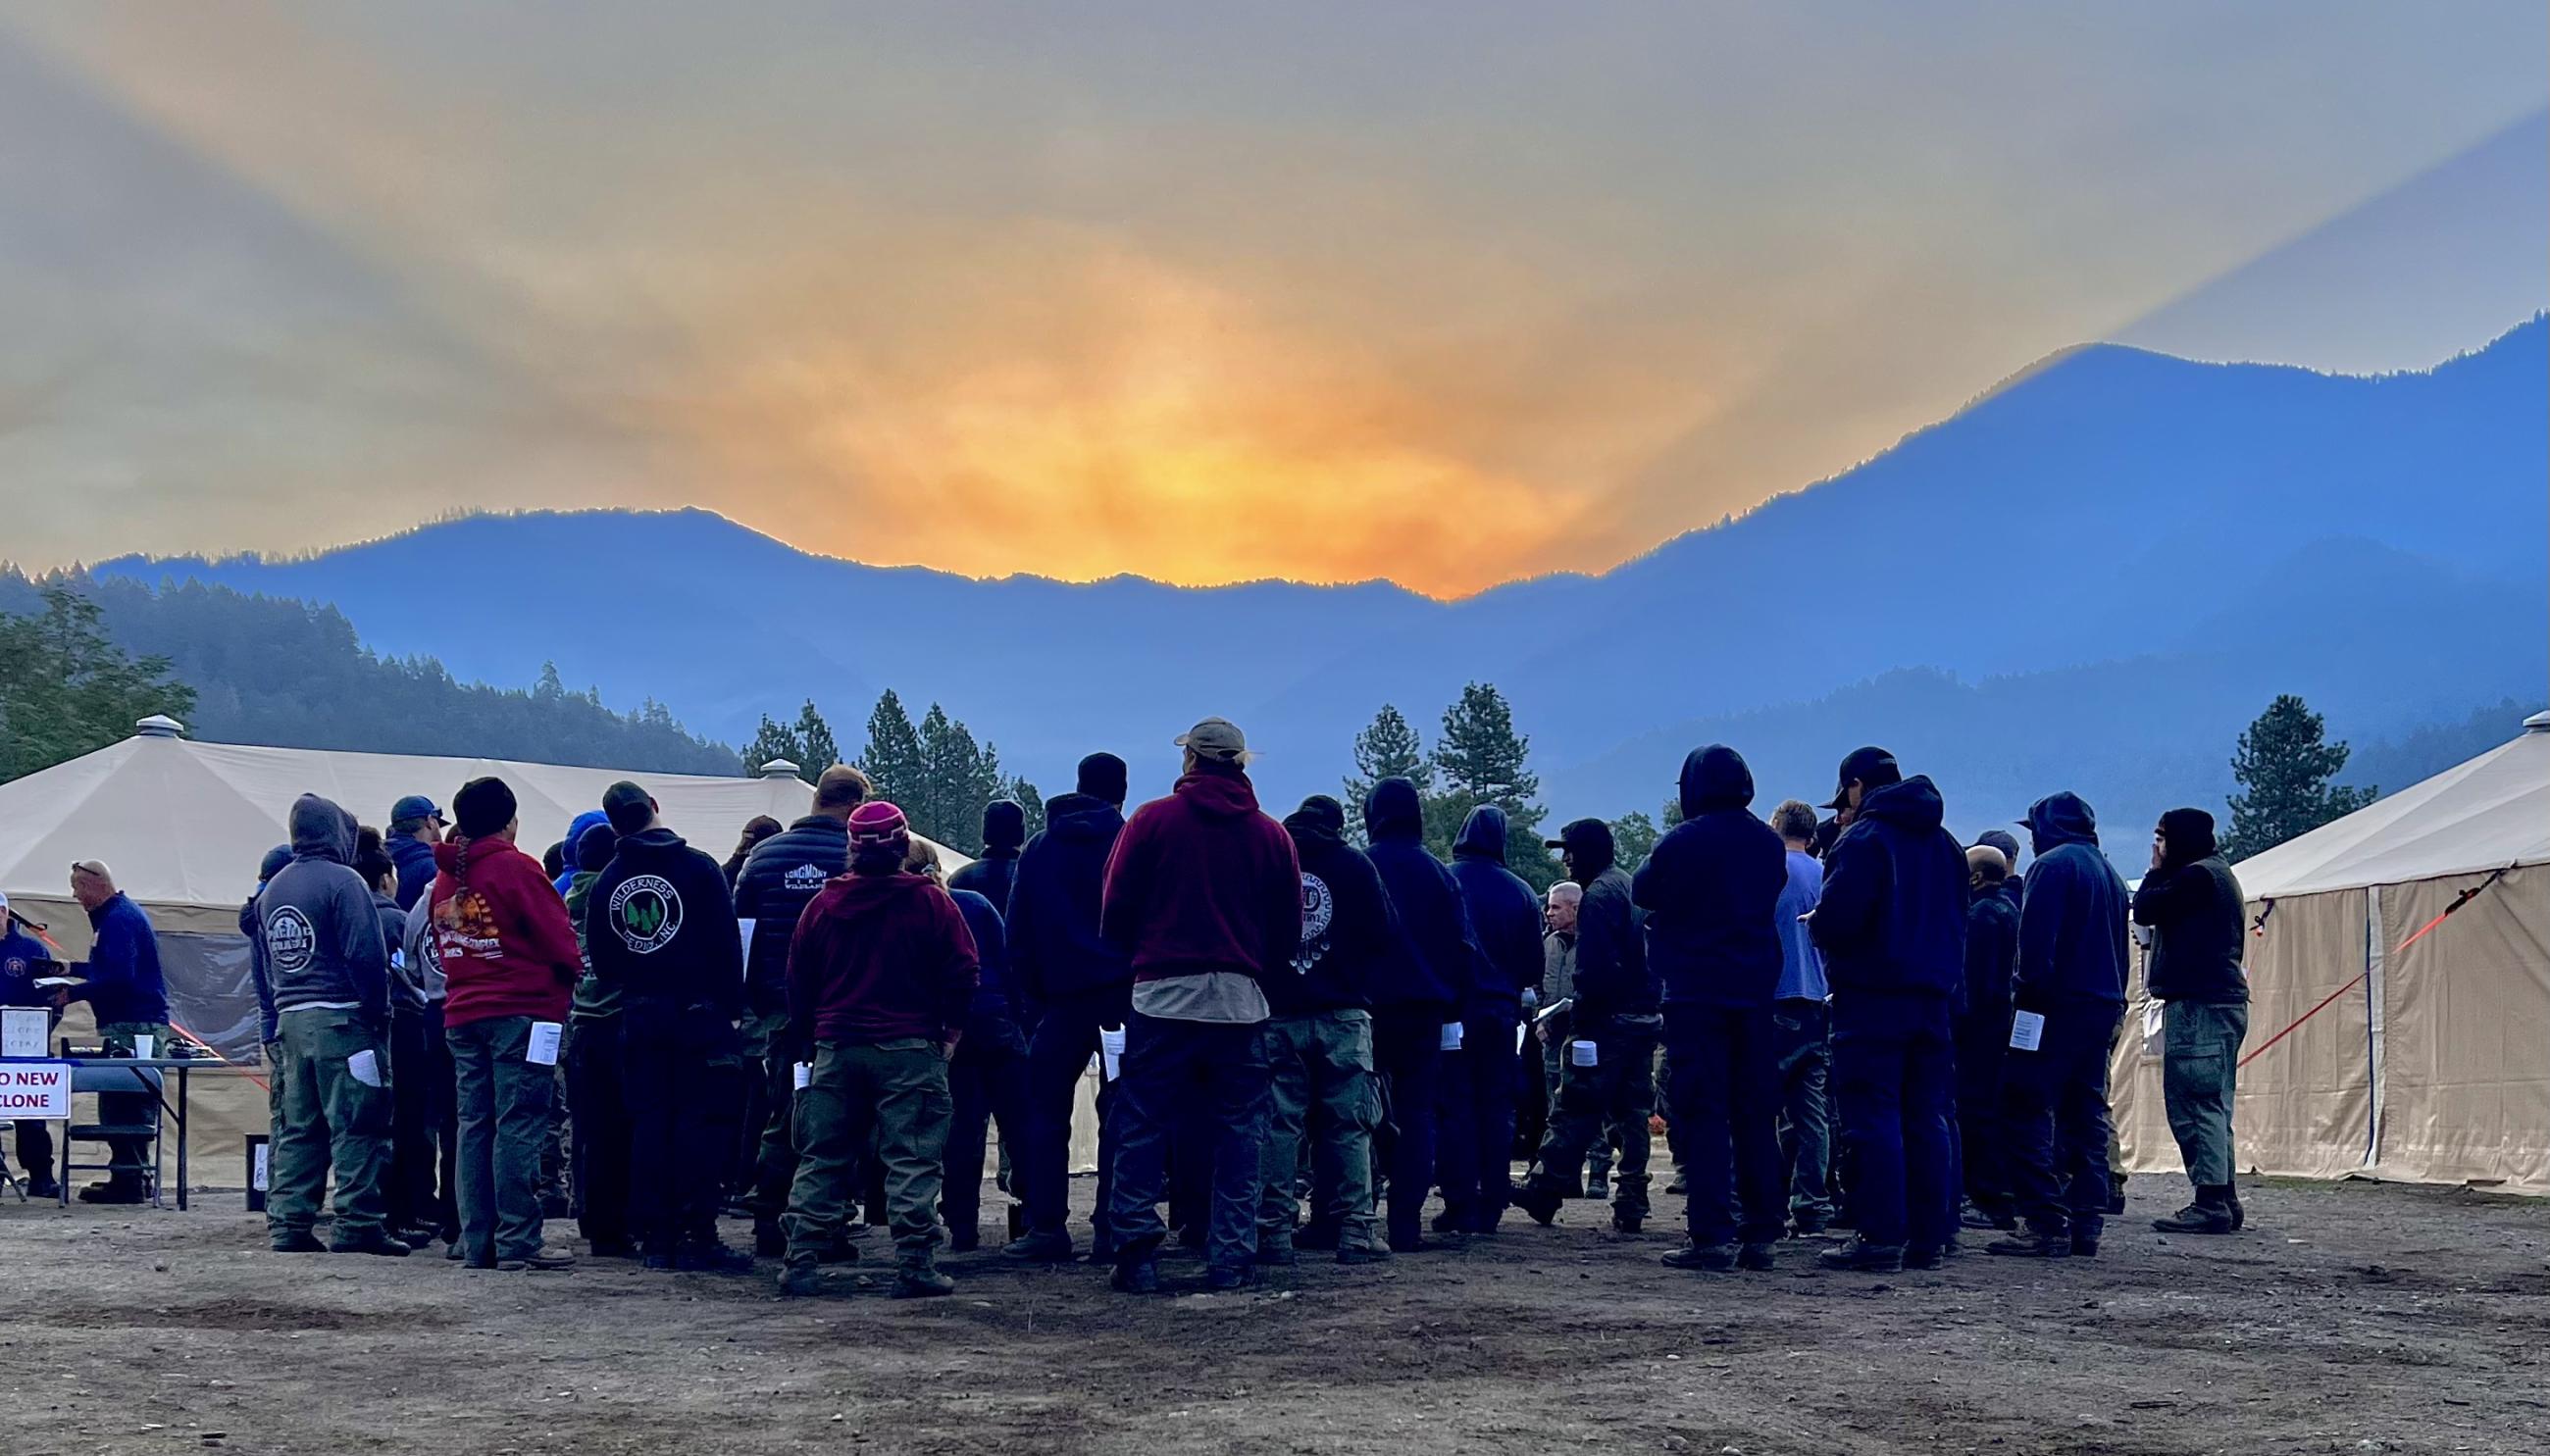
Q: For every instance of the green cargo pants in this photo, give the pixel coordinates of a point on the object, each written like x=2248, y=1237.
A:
x=1321, y=1075
x=895, y=1095
x=329, y=1118
x=2199, y=1053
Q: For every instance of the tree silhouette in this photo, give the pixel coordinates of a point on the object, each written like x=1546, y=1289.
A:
x=2285, y=769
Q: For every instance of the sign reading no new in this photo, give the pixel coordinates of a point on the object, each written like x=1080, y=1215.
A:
x=35, y=1091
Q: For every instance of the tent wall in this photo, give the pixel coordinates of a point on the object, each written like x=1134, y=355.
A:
x=2455, y=1067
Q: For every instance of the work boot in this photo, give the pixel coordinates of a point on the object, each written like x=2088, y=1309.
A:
x=1923, y=1256
x=114, y=1191
x=800, y=1281
x=1755, y=1257
x=1363, y=1253
x=2032, y=1243
x=1976, y=1216
x=1223, y=1281
x=373, y=1243
x=545, y=1259
x=2239, y=1216
x=43, y=1186
x=299, y=1241
x=1540, y=1200
x=2115, y=1195
x=1679, y=1187
x=415, y=1238
x=712, y=1256
x=1448, y=1222
x=1275, y=1252
x=921, y=1283
x=1716, y=1258
x=1859, y=1256
x=1625, y=1221
x=1040, y=1246
x=2209, y=1214
x=1138, y=1275
x=1598, y=1185
x=1809, y=1226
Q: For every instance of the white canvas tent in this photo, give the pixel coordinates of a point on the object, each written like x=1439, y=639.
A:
x=2403, y=954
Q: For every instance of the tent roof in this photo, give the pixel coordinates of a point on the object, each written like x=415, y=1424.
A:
x=2490, y=812
x=183, y=822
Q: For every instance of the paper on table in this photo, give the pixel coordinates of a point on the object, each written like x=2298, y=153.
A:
x=2026, y=1030
x=365, y=1065
x=1583, y=1054
x=544, y=1050
x=1451, y=1036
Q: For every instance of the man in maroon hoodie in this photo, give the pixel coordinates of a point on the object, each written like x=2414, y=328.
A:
x=881, y=973
x=509, y=961
x=1204, y=894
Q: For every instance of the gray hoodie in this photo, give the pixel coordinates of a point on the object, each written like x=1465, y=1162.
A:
x=322, y=935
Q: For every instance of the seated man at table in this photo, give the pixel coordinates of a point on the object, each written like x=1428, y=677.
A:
x=23, y=960
x=124, y=990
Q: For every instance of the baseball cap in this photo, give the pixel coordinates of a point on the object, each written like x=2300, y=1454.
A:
x=876, y=823
x=415, y=806
x=1216, y=739
x=1592, y=833
x=1872, y=766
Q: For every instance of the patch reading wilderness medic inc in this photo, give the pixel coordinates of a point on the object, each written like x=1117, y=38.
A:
x=647, y=912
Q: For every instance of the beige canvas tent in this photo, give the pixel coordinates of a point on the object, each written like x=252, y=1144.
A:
x=2403, y=954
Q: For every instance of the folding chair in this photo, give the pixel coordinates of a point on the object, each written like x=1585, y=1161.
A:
x=105, y=1079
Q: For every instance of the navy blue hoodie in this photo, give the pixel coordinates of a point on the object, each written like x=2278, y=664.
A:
x=1004, y=828
x=2072, y=921
x=780, y=878
x=1437, y=968
x=1711, y=891
x=1892, y=916
x=1992, y=953
x=1504, y=915
x=1054, y=898
x=992, y=1021
x=415, y=860
x=1350, y=937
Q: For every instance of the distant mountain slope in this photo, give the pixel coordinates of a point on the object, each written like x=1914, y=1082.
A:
x=2235, y=529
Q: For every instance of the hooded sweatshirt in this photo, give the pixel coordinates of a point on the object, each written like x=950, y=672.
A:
x=1711, y=891
x=783, y=874
x=1440, y=950
x=659, y=925
x=2072, y=921
x=991, y=1019
x=250, y=928
x=322, y=943
x=123, y=985
x=415, y=860
x=1351, y=937
x=575, y=837
x=1504, y=916
x=880, y=958
x=406, y=992
x=1055, y=892
x=1004, y=828
x=1613, y=979
x=1202, y=884
x=1892, y=915
x=2197, y=914
x=501, y=936
x=1992, y=953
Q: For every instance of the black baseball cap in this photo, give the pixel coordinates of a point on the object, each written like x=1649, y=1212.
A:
x=1872, y=766
x=1582, y=833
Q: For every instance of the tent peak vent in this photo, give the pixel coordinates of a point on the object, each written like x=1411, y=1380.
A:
x=2538, y=723
x=777, y=768
x=159, y=725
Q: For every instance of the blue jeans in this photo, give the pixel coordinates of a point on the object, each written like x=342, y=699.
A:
x=1897, y=1073
x=1219, y=1068
x=1724, y=1097
x=1804, y=1032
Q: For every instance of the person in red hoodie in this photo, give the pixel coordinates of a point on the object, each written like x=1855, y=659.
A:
x=881, y=974
x=510, y=962
x=1204, y=894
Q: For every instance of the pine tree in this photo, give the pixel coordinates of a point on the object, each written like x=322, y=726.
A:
x=65, y=690
x=1480, y=759
x=959, y=780
x=1633, y=839
x=2284, y=770
x=1388, y=748
x=770, y=742
x=892, y=759
x=814, y=739
x=1030, y=800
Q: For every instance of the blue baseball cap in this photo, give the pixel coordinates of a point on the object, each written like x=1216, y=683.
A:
x=415, y=806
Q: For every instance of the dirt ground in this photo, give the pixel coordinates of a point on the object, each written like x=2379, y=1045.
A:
x=2349, y=1318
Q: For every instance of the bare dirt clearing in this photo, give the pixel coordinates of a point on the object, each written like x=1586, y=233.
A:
x=2417, y=1320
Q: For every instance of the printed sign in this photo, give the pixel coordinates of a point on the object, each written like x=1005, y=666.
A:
x=35, y=1091
x=22, y=1030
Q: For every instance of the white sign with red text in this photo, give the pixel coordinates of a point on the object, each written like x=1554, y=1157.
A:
x=35, y=1091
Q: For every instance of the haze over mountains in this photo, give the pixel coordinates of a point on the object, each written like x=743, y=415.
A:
x=2092, y=577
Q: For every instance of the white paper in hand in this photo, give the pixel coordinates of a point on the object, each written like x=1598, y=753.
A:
x=366, y=1067
x=2026, y=1030
x=1451, y=1036
x=802, y=1076
x=544, y=1050
x=1111, y=1052
x=1583, y=1054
